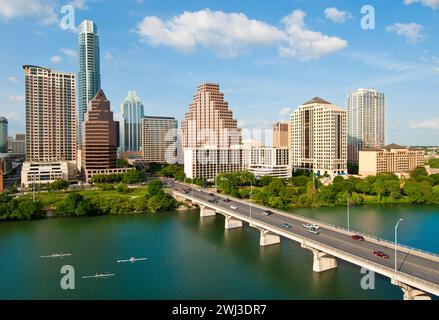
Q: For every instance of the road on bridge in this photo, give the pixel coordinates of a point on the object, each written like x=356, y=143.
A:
x=408, y=263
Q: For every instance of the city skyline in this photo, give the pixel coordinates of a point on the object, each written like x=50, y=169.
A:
x=263, y=83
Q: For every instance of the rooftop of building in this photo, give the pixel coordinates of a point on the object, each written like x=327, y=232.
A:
x=317, y=100
x=392, y=146
x=3, y=119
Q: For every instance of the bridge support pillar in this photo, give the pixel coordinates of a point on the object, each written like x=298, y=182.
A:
x=206, y=212
x=411, y=293
x=322, y=261
x=232, y=223
x=268, y=238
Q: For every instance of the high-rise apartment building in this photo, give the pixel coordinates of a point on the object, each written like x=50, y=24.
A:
x=209, y=122
x=50, y=115
x=366, y=112
x=89, y=76
x=273, y=162
x=319, y=138
x=159, y=139
x=3, y=135
x=132, y=112
x=280, y=135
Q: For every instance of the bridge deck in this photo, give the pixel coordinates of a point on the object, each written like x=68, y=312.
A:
x=417, y=269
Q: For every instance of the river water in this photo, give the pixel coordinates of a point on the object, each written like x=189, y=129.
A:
x=189, y=258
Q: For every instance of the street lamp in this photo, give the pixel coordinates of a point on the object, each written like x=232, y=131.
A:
x=396, y=246
x=349, y=223
x=251, y=193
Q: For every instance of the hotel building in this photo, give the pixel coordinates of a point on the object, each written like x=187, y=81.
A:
x=159, y=139
x=366, y=112
x=392, y=158
x=272, y=162
x=319, y=138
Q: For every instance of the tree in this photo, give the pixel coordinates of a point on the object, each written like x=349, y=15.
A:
x=418, y=192
x=154, y=187
x=122, y=163
x=133, y=177
x=28, y=210
x=419, y=172
x=122, y=188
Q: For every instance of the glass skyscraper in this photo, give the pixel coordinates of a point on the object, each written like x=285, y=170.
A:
x=89, y=77
x=3, y=135
x=132, y=112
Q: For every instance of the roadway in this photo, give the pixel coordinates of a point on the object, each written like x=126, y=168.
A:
x=408, y=263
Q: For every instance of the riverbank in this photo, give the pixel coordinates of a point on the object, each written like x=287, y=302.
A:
x=108, y=200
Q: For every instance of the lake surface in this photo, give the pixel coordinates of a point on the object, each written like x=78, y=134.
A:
x=191, y=258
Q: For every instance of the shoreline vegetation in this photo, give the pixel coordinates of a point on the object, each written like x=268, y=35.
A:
x=112, y=195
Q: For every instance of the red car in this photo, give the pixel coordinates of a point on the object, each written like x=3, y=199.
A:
x=358, y=238
x=381, y=254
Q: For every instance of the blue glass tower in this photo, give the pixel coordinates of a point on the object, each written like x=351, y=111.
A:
x=132, y=112
x=89, y=76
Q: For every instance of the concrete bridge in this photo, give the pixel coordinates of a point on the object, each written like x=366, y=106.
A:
x=417, y=271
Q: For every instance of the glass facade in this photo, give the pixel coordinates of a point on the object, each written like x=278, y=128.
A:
x=3, y=135
x=89, y=76
x=132, y=112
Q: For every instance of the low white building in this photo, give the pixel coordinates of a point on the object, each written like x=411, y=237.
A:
x=272, y=162
x=209, y=162
x=47, y=172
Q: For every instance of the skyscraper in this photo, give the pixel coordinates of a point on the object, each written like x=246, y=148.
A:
x=209, y=122
x=50, y=115
x=89, y=76
x=366, y=110
x=3, y=135
x=211, y=137
x=319, y=138
x=158, y=139
x=280, y=135
x=132, y=113
x=99, y=148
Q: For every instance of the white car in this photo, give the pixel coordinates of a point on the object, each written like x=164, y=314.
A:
x=314, y=231
x=311, y=226
x=233, y=207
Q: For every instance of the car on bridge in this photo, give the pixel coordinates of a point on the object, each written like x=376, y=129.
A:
x=358, y=237
x=314, y=231
x=311, y=226
x=381, y=254
x=286, y=226
x=233, y=207
x=227, y=200
x=267, y=213
x=211, y=194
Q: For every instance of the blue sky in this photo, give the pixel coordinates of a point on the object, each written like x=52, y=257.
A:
x=269, y=56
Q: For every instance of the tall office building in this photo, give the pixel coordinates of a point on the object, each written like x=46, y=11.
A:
x=3, y=135
x=366, y=121
x=89, y=76
x=99, y=149
x=17, y=145
x=50, y=115
x=132, y=112
x=209, y=122
x=158, y=139
x=319, y=138
x=280, y=135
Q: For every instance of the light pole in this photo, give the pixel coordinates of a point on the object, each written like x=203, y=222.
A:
x=349, y=222
x=251, y=193
x=396, y=246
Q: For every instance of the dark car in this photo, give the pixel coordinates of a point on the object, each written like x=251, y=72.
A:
x=211, y=194
x=381, y=254
x=227, y=200
x=358, y=238
x=286, y=226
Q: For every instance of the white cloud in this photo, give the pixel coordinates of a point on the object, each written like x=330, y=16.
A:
x=55, y=59
x=411, y=31
x=434, y=4
x=11, y=116
x=230, y=34
x=16, y=98
x=432, y=124
x=12, y=80
x=79, y=4
x=305, y=44
x=285, y=111
x=10, y=9
x=227, y=34
x=337, y=16
x=69, y=52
